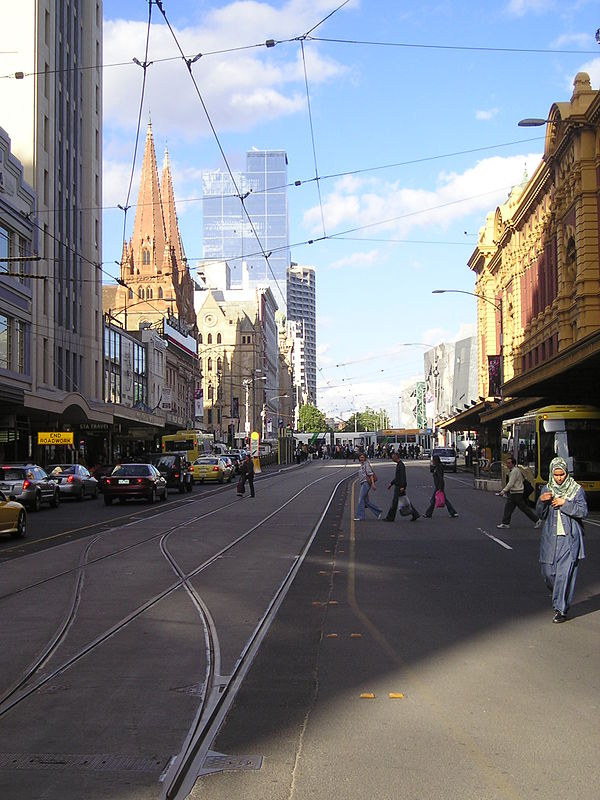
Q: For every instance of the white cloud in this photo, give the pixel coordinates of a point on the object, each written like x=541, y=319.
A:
x=519, y=8
x=583, y=40
x=360, y=260
x=238, y=88
x=390, y=207
x=593, y=70
x=486, y=114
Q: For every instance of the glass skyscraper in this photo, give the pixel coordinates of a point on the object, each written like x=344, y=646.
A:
x=229, y=235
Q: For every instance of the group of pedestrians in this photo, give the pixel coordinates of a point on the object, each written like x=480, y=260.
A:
x=560, y=511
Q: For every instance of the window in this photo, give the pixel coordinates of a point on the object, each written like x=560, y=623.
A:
x=199, y=338
x=20, y=346
x=209, y=365
x=160, y=293
x=146, y=256
x=209, y=338
x=4, y=343
x=4, y=247
x=219, y=338
x=219, y=364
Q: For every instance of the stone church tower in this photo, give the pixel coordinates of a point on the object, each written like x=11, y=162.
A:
x=154, y=281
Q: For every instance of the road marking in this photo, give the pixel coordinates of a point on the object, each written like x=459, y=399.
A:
x=495, y=539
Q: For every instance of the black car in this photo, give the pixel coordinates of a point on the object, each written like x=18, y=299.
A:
x=134, y=481
x=175, y=469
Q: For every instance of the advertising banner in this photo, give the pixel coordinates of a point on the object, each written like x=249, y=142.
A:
x=199, y=402
x=494, y=376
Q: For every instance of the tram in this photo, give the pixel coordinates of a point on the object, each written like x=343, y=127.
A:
x=572, y=432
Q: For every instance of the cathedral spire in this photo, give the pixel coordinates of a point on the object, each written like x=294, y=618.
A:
x=149, y=226
x=170, y=213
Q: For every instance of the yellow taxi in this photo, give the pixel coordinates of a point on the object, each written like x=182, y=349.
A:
x=13, y=517
x=212, y=468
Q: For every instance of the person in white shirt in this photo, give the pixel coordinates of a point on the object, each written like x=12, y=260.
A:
x=514, y=493
x=367, y=480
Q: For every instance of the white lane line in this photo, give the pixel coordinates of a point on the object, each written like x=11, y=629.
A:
x=495, y=539
x=592, y=522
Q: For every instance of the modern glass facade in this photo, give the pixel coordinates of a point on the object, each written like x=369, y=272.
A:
x=229, y=235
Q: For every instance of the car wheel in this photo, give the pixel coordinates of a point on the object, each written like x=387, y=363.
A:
x=164, y=495
x=21, y=526
x=37, y=502
x=152, y=496
x=221, y=478
x=95, y=493
x=55, y=499
x=189, y=486
x=107, y=500
x=181, y=487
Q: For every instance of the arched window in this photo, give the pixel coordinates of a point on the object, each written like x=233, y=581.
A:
x=149, y=294
x=219, y=338
x=219, y=364
x=199, y=338
x=160, y=293
x=209, y=365
x=210, y=392
x=145, y=256
x=571, y=259
x=209, y=339
x=141, y=294
x=131, y=294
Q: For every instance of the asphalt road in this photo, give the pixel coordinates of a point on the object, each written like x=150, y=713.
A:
x=408, y=660
x=423, y=665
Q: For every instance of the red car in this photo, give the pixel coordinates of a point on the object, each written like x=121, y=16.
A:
x=134, y=480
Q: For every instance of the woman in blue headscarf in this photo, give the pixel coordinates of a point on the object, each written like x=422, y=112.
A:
x=562, y=507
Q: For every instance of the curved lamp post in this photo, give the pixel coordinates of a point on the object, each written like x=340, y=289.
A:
x=498, y=307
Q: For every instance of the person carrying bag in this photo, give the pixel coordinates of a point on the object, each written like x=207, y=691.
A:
x=439, y=490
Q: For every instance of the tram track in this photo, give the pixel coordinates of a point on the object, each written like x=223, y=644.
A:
x=217, y=690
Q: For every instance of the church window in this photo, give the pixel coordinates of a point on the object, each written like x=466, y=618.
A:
x=130, y=294
x=219, y=364
x=141, y=294
x=199, y=338
x=209, y=365
x=160, y=292
x=219, y=338
x=149, y=294
x=145, y=256
x=209, y=339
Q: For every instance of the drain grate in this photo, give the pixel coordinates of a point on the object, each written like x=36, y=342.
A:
x=97, y=763
x=218, y=762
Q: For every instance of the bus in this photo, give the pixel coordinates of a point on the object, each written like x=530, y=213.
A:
x=572, y=432
x=194, y=443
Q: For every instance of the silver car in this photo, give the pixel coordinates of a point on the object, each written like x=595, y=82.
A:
x=29, y=484
x=74, y=480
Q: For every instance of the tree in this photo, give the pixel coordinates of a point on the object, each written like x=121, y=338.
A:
x=311, y=420
x=368, y=420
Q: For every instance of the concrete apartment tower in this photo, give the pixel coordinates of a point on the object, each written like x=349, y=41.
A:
x=52, y=110
x=302, y=310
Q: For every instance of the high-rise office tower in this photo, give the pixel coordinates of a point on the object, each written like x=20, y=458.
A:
x=52, y=110
x=232, y=235
x=302, y=309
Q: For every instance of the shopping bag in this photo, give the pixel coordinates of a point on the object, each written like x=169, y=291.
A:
x=440, y=499
x=404, y=506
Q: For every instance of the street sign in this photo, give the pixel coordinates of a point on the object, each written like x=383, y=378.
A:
x=56, y=437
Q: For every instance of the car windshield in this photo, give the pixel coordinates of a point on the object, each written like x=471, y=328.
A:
x=11, y=474
x=132, y=469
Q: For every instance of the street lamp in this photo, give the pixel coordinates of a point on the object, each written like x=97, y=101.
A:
x=498, y=307
x=533, y=122
x=263, y=413
x=246, y=383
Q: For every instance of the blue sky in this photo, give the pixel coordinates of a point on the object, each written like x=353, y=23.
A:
x=414, y=139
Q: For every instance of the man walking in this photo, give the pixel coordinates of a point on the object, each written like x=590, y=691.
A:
x=399, y=484
x=247, y=474
x=514, y=492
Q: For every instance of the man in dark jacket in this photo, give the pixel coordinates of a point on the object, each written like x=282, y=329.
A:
x=399, y=484
x=247, y=474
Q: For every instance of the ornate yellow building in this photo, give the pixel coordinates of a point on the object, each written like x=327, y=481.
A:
x=538, y=271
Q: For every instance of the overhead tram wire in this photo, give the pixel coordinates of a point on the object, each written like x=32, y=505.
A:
x=189, y=62
x=459, y=48
x=144, y=67
x=310, y=119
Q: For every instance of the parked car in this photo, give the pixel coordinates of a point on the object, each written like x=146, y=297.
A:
x=74, y=480
x=212, y=468
x=134, y=480
x=175, y=469
x=447, y=457
x=13, y=517
x=29, y=484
